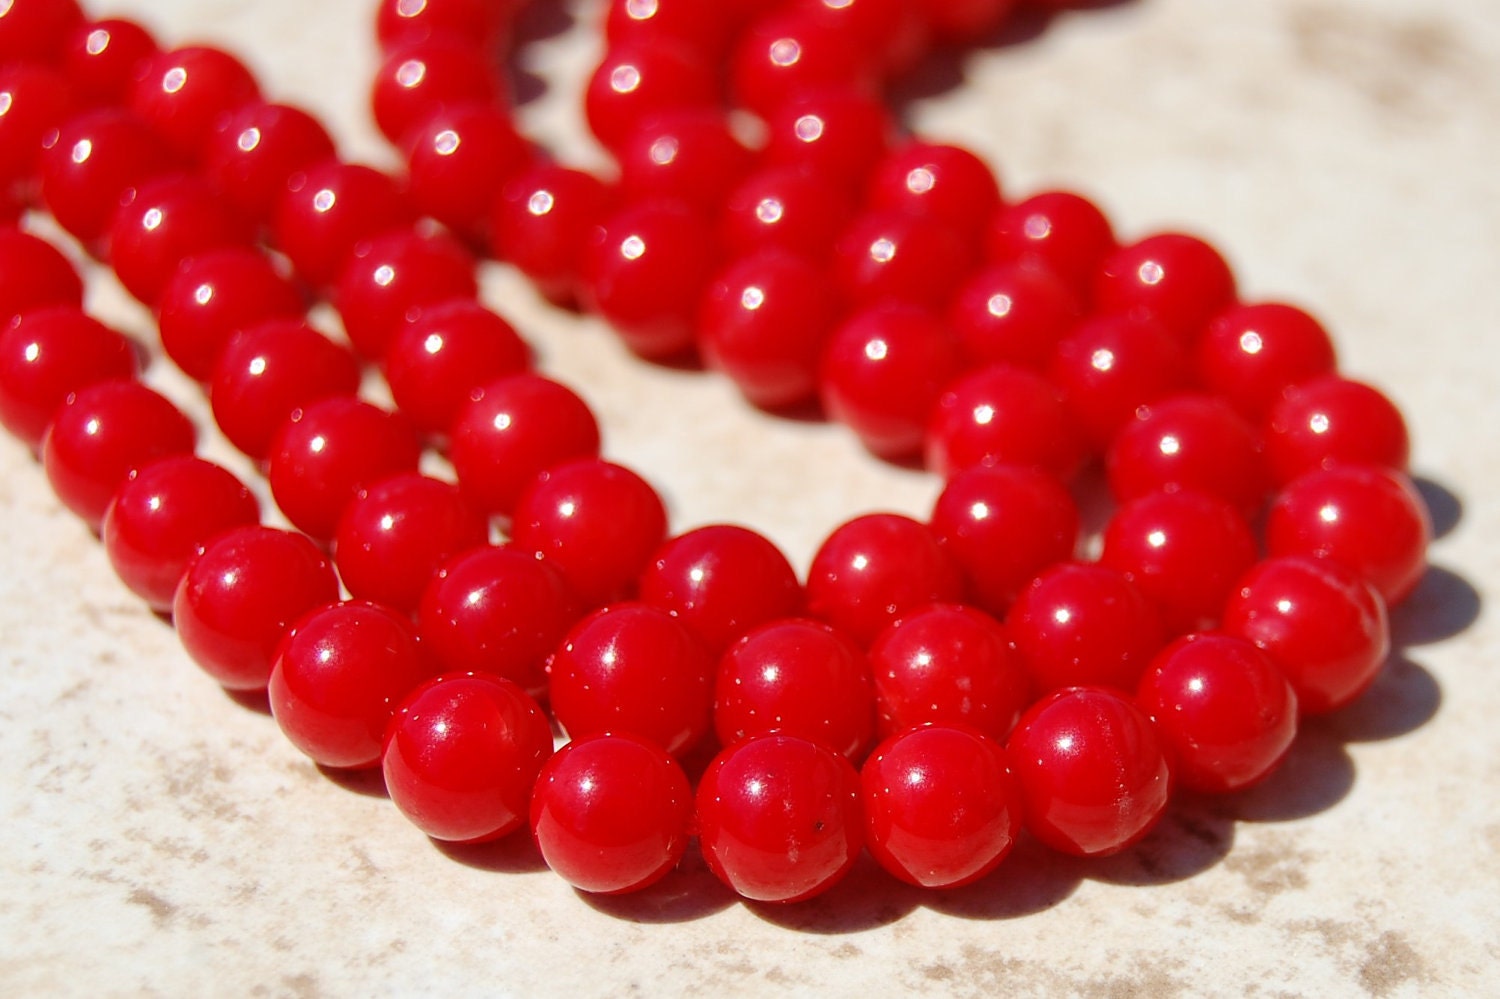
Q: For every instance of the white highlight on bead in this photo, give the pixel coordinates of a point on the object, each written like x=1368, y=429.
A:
x=1103, y=359
x=384, y=275
x=446, y=142
x=752, y=298
x=883, y=250
x=769, y=210
x=1319, y=423
x=82, y=150
x=808, y=128
x=1151, y=272
x=248, y=140
x=174, y=79
x=411, y=73
x=152, y=220
x=624, y=79
x=97, y=41
x=540, y=203
x=785, y=51
x=1250, y=342
x=324, y=200
x=632, y=247
x=920, y=180
x=999, y=305
x=877, y=350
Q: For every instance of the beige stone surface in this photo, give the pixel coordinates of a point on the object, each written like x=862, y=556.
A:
x=158, y=837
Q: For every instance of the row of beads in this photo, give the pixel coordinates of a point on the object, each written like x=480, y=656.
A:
x=935, y=580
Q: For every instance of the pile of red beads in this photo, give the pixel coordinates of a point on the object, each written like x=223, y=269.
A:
x=933, y=688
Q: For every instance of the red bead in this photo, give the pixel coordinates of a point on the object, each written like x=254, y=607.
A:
x=164, y=223
x=215, y=295
x=101, y=58
x=946, y=183
x=270, y=371
x=445, y=352
x=241, y=594
x=800, y=678
x=1061, y=231
x=388, y=278
x=611, y=812
x=104, y=433
x=1323, y=626
x=1251, y=354
x=966, y=22
x=328, y=451
x=339, y=677
x=419, y=79
x=1367, y=518
x=34, y=274
x=1003, y=415
x=325, y=210
x=457, y=160
x=693, y=156
x=636, y=81
x=1002, y=526
x=48, y=353
x=257, y=150
x=646, y=269
x=636, y=669
x=875, y=568
x=1110, y=366
x=1225, y=714
x=36, y=29
x=164, y=515
x=894, y=30
x=1184, y=550
x=834, y=132
x=1094, y=779
x=1189, y=441
x=34, y=100
x=403, y=22
x=1334, y=421
x=462, y=754
x=764, y=322
x=941, y=807
x=597, y=522
x=497, y=609
x=91, y=163
x=541, y=221
x=185, y=93
x=893, y=255
x=787, y=208
x=779, y=818
x=1177, y=280
x=721, y=581
x=882, y=373
x=705, y=29
x=1013, y=313
x=947, y=664
x=511, y=430
x=789, y=52
x=1081, y=624
x=397, y=532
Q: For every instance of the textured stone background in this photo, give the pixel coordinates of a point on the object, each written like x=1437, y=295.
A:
x=158, y=837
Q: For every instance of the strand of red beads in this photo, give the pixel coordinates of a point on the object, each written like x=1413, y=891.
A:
x=1008, y=343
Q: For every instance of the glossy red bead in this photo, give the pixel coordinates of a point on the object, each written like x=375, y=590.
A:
x=779, y=818
x=1323, y=626
x=882, y=373
x=873, y=569
x=36, y=29
x=1177, y=280
x=541, y=222
x=254, y=152
x=388, y=278
x=497, y=609
x=1365, y=517
x=462, y=755
x=1013, y=313
x=161, y=225
x=611, y=813
x=397, y=532
x=1331, y=421
x=325, y=210
x=48, y=353
x=1084, y=624
x=947, y=664
x=91, y=163
x=1059, y=230
x=163, y=515
x=1094, y=780
x=797, y=677
x=787, y=208
x=511, y=430
x=636, y=81
x=1189, y=441
x=214, y=295
x=698, y=27
x=403, y=22
x=637, y=669
x=599, y=523
x=457, y=160
x=34, y=274
x=1184, y=549
x=270, y=371
x=1003, y=415
x=944, y=182
x=1002, y=526
x=835, y=132
x=340, y=675
x=1251, y=354
x=328, y=451
x=443, y=353
x=1225, y=714
x=941, y=807
x=185, y=93
x=241, y=594
x=894, y=30
x=418, y=79
x=890, y=255
x=1110, y=366
x=764, y=322
x=646, y=268
x=788, y=52
x=101, y=58
x=101, y=435
x=693, y=156
x=34, y=100
x=721, y=581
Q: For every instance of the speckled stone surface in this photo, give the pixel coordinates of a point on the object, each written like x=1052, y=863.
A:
x=159, y=837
